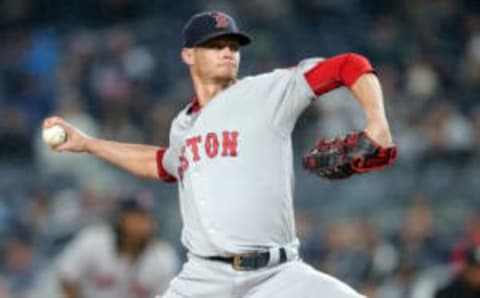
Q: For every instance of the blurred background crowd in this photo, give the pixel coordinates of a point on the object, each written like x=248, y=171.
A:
x=112, y=68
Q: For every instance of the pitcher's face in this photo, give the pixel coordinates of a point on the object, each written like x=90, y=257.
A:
x=216, y=60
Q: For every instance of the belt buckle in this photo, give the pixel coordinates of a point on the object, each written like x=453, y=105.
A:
x=237, y=261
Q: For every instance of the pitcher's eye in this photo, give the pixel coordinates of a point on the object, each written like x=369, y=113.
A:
x=214, y=46
x=234, y=47
x=220, y=45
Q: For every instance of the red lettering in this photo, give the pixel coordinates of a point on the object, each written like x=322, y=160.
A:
x=230, y=143
x=211, y=145
x=193, y=143
x=183, y=164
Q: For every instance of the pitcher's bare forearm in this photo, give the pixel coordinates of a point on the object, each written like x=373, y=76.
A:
x=368, y=92
x=139, y=160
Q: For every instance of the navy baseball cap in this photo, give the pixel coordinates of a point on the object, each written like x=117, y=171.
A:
x=205, y=26
x=135, y=204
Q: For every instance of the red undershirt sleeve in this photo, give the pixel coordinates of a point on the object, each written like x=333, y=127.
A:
x=341, y=70
x=162, y=172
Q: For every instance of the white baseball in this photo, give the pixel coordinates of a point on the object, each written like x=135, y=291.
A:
x=54, y=135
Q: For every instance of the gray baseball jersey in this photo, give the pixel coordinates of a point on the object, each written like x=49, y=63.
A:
x=233, y=161
x=91, y=261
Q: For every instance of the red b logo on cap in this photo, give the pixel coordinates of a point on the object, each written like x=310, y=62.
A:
x=220, y=20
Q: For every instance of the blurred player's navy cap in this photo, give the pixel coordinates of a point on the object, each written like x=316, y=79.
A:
x=141, y=204
x=208, y=25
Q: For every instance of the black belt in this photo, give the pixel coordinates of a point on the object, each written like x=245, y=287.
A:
x=250, y=261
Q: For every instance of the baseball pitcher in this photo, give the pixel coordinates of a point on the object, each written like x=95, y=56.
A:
x=230, y=153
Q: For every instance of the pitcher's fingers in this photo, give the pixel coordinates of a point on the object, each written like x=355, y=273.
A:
x=60, y=147
x=51, y=121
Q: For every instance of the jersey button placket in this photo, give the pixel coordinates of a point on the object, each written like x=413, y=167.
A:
x=200, y=195
x=198, y=185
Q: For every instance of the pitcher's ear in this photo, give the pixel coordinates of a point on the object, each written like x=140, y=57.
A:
x=187, y=56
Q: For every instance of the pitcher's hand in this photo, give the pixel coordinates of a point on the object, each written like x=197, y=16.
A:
x=76, y=140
